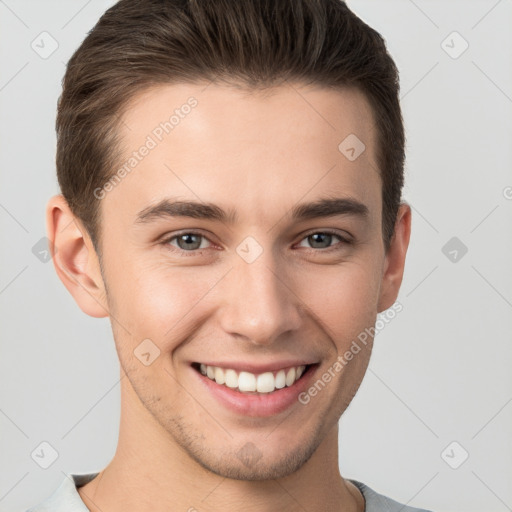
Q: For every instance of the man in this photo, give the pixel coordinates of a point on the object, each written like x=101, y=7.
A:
x=231, y=178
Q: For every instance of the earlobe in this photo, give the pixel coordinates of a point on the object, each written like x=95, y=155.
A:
x=75, y=259
x=395, y=259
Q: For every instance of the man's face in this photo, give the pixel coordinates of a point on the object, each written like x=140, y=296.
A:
x=264, y=292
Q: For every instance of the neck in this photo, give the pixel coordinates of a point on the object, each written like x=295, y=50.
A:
x=150, y=471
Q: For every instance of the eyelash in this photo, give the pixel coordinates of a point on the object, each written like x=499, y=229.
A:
x=195, y=252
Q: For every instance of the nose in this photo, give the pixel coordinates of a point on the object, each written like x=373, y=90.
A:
x=259, y=303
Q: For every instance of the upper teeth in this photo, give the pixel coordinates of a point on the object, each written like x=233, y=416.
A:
x=246, y=381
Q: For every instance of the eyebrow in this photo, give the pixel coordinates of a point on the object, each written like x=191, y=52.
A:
x=327, y=207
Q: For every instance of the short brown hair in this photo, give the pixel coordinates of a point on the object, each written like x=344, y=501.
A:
x=257, y=43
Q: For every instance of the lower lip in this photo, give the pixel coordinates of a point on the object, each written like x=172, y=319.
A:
x=260, y=405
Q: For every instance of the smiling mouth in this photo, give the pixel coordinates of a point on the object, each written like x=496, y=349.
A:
x=250, y=383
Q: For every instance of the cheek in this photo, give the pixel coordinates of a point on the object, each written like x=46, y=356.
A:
x=159, y=302
x=343, y=298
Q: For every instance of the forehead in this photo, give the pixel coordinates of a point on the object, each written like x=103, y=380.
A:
x=290, y=111
x=246, y=149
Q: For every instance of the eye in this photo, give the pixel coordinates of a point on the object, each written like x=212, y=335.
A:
x=323, y=239
x=193, y=242
x=189, y=241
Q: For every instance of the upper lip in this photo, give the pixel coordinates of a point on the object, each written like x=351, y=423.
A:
x=257, y=368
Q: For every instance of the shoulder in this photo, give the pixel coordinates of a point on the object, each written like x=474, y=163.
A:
x=376, y=502
x=65, y=498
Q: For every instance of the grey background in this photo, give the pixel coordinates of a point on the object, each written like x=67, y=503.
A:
x=440, y=370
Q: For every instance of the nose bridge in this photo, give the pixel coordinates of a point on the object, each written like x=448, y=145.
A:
x=260, y=305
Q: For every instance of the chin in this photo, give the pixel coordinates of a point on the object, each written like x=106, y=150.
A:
x=256, y=461
x=258, y=468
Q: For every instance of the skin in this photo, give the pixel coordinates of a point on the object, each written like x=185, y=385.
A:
x=259, y=154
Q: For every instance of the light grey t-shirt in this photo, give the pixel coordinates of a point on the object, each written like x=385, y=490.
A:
x=66, y=498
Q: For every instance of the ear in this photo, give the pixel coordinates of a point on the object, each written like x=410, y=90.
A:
x=395, y=259
x=75, y=258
